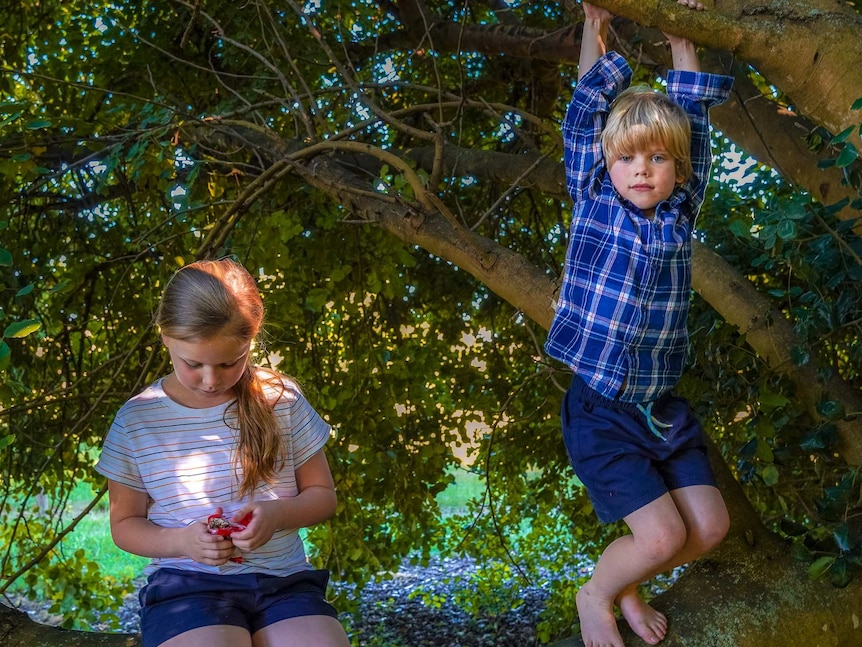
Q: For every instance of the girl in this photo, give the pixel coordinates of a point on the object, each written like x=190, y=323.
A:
x=218, y=436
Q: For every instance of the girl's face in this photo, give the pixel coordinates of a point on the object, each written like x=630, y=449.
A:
x=645, y=178
x=205, y=372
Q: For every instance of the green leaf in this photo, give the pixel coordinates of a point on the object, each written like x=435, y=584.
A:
x=740, y=229
x=831, y=409
x=842, y=537
x=847, y=156
x=786, y=230
x=770, y=475
x=7, y=106
x=839, y=575
x=771, y=400
x=22, y=328
x=791, y=528
x=800, y=552
x=5, y=441
x=842, y=136
x=5, y=355
x=820, y=567
x=5, y=258
x=39, y=124
x=27, y=289
x=801, y=355
x=749, y=448
x=61, y=285
x=9, y=119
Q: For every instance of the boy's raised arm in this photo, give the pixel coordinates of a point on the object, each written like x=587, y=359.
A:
x=684, y=54
x=594, y=38
x=682, y=50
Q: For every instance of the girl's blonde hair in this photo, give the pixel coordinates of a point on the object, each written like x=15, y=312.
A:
x=208, y=299
x=640, y=118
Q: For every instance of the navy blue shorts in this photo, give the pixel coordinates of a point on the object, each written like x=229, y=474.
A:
x=175, y=601
x=625, y=462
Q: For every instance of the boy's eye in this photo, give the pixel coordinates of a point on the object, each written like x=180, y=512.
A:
x=625, y=158
x=658, y=157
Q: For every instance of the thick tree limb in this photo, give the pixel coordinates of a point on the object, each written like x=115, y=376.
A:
x=810, y=50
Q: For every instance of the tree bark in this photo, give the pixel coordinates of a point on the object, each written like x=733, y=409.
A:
x=18, y=630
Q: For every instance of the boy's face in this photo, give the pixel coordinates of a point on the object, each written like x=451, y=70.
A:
x=645, y=177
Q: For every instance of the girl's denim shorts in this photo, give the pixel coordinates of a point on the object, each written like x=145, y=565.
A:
x=175, y=601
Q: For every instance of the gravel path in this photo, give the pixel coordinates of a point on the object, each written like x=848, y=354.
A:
x=418, y=608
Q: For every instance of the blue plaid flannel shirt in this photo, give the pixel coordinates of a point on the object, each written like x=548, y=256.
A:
x=621, y=318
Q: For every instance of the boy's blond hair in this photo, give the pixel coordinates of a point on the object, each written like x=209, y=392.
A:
x=640, y=118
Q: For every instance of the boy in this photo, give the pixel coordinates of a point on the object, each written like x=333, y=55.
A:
x=637, y=165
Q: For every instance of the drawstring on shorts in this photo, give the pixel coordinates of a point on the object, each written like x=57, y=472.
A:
x=656, y=426
x=652, y=422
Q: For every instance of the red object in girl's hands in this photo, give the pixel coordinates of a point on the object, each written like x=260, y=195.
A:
x=219, y=525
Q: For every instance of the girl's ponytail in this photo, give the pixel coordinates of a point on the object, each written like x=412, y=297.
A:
x=261, y=451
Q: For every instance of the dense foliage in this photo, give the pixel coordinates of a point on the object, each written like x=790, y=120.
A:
x=135, y=137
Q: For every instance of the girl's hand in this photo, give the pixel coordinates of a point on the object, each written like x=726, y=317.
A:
x=204, y=548
x=261, y=521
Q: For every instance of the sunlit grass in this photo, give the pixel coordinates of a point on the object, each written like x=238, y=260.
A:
x=468, y=486
x=93, y=536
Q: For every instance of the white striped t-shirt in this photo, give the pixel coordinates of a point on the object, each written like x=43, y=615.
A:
x=184, y=459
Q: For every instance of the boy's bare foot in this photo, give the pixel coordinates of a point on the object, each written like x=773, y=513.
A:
x=598, y=624
x=646, y=622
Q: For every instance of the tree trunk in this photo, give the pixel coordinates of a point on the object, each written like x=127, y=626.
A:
x=18, y=630
x=754, y=596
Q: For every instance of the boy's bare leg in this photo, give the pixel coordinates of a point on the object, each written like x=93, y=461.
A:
x=672, y=530
x=658, y=533
x=704, y=514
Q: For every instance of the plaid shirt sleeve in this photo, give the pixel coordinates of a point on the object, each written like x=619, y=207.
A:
x=696, y=93
x=585, y=120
